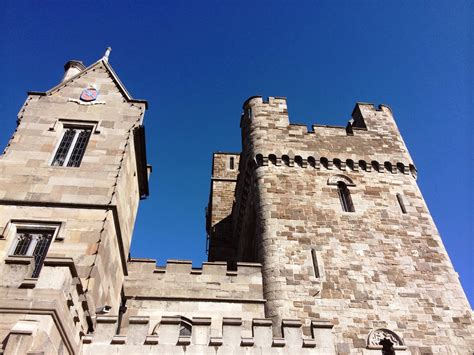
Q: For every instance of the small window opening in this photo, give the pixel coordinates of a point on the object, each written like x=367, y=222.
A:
x=33, y=243
x=312, y=162
x=286, y=160
x=345, y=197
x=401, y=203
x=315, y=263
x=363, y=165
x=231, y=163
x=388, y=166
x=337, y=163
x=72, y=147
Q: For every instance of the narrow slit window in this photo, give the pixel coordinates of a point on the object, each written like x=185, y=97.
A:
x=33, y=243
x=314, y=256
x=345, y=197
x=231, y=163
x=72, y=147
x=401, y=203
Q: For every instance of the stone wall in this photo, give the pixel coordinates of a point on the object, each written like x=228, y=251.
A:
x=179, y=289
x=231, y=337
x=219, y=209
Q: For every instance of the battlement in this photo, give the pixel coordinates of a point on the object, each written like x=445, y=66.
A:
x=370, y=136
x=196, y=336
x=179, y=280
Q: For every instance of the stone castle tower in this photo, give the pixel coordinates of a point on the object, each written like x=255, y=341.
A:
x=320, y=241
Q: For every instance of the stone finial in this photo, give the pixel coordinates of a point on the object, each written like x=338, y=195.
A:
x=105, y=58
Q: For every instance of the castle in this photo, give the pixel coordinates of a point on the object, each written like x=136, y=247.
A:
x=320, y=241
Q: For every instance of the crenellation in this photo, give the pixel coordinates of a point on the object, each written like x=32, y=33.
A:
x=166, y=336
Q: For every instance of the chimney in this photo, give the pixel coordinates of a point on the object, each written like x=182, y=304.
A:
x=72, y=68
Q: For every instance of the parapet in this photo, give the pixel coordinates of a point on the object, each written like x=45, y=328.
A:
x=179, y=280
x=204, y=335
x=371, y=135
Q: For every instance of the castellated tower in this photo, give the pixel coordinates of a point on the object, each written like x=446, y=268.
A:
x=343, y=233
x=71, y=177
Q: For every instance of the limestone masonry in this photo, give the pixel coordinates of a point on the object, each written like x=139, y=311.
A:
x=320, y=241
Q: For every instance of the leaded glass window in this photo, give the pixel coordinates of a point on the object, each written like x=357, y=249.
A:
x=72, y=147
x=33, y=243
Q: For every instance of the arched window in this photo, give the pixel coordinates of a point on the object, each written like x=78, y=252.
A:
x=386, y=339
x=363, y=165
x=312, y=162
x=286, y=160
x=388, y=166
x=345, y=197
x=337, y=163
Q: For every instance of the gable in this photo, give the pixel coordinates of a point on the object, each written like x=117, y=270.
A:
x=102, y=76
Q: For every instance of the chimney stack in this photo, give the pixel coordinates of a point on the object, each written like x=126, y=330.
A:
x=72, y=68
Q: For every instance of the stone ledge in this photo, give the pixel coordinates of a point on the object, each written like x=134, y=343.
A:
x=18, y=259
x=29, y=282
x=247, y=342
x=151, y=339
x=215, y=341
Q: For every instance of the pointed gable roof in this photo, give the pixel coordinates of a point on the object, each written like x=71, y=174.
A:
x=112, y=73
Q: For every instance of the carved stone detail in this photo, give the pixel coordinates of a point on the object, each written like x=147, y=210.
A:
x=376, y=336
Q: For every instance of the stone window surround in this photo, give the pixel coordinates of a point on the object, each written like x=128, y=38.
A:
x=10, y=232
x=231, y=163
x=62, y=124
x=382, y=333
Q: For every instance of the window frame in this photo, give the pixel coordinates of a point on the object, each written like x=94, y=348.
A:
x=345, y=197
x=11, y=232
x=64, y=125
x=35, y=242
x=342, y=184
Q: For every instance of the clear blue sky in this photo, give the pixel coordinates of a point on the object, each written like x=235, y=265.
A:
x=196, y=62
